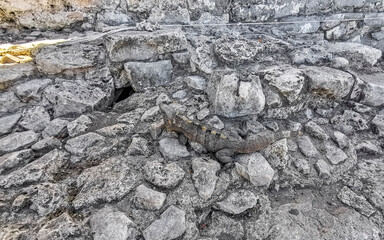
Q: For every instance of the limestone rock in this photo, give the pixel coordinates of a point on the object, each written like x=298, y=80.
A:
x=9, y=102
x=306, y=147
x=172, y=150
x=196, y=82
x=350, y=198
x=17, y=141
x=334, y=155
x=146, y=75
x=47, y=144
x=56, y=128
x=204, y=176
x=303, y=166
x=35, y=118
x=341, y=140
x=255, y=168
x=378, y=123
x=148, y=199
x=15, y=159
x=61, y=228
x=115, y=130
x=316, y=131
x=237, y=51
x=170, y=225
x=139, y=46
x=31, y=90
x=84, y=144
x=163, y=175
x=7, y=123
x=12, y=73
x=79, y=125
x=225, y=227
x=150, y=114
x=323, y=169
x=238, y=202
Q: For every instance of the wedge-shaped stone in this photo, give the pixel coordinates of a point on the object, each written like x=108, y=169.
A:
x=17, y=141
x=204, y=176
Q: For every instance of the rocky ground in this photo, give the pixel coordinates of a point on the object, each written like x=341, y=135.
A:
x=83, y=152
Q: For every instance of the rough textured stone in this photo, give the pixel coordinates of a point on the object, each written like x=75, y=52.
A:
x=316, y=131
x=163, y=175
x=341, y=140
x=350, y=198
x=12, y=73
x=373, y=90
x=17, y=141
x=15, y=159
x=224, y=227
x=84, y=144
x=150, y=114
x=255, y=168
x=238, y=202
x=47, y=144
x=115, y=130
x=79, y=125
x=35, y=118
x=61, y=228
x=9, y=102
x=237, y=51
x=47, y=198
x=350, y=119
x=7, y=123
x=56, y=128
x=323, y=169
x=139, y=46
x=170, y=225
x=303, y=166
x=204, y=176
x=142, y=76
x=138, y=146
x=378, y=123
x=306, y=147
x=172, y=150
x=334, y=155
x=196, y=82
x=31, y=90
x=148, y=199
x=108, y=223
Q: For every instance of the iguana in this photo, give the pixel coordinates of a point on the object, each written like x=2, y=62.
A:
x=221, y=143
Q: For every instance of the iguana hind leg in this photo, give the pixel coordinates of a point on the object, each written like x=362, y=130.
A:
x=225, y=155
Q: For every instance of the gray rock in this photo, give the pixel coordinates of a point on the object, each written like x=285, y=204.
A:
x=79, y=125
x=340, y=62
x=181, y=57
x=156, y=128
x=323, y=169
x=374, y=19
x=61, y=228
x=150, y=114
x=17, y=141
x=215, y=122
x=12, y=73
x=180, y=16
x=316, y=131
x=341, y=139
x=196, y=82
x=142, y=76
x=48, y=198
x=255, y=168
x=289, y=81
x=204, y=176
x=15, y=159
x=180, y=94
x=204, y=59
x=35, y=118
x=351, y=119
x=223, y=227
x=237, y=51
x=20, y=202
x=84, y=144
x=75, y=97
x=138, y=146
x=113, y=18
x=378, y=123
x=232, y=97
x=200, y=115
x=378, y=35
x=32, y=89
x=368, y=147
x=139, y=46
x=56, y=59
x=7, y=123
x=108, y=223
x=172, y=150
x=133, y=116
x=303, y=166
x=350, y=198
x=304, y=25
x=329, y=82
x=350, y=3
x=171, y=225
x=110, y=181
x=148, y=199
x=163, y=175
x=277, y=153
x=356, y=53
x=306, y=147
x=238, y=202
x=56, y=128
x=334, y=155
x=373, y=93
x=9, y=102
x=47, y=144
x=311, y=56
x=116, y=130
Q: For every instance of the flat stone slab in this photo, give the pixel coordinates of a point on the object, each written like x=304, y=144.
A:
x=148, y=199
x=306, y=147
x=12, y=73
x=238, y=202
x=356, y=52
x=172, y=150
x=7, y=123
x=35, y=118
x=204, y=176
x=32, y=89
x=17, y=141
x=163, y=175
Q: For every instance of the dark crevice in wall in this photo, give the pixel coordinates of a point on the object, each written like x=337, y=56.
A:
x=123, y=93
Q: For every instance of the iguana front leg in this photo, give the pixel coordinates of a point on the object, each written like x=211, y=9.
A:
x=225, y=155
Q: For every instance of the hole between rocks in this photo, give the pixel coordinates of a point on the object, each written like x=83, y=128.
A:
x=123, y=93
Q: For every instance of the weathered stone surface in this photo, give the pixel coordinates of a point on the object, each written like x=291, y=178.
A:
x=148, y=199
x=196, y=82
x=56, y=128
x=163, y=175
x=61, y=228
x=306, y=147
x=351, y=119
x=215, y=122
x=277, y=154
x=204, y=176
x=7, y=123
x=232, y=97
x=302, y=165
x=255, y=168
x=341, y=139
x=46, y=144
x=172, y=150
x=323, y=169
x=237, y=51
x=316, y=131
x=138, y=146
x=11, y=73
x=373, y=90
x=9, y=102
x=47, y=198
x=223, y=227
x=79, y=125
x=334, y=155
x=15, y=159
x=146, y=75
x=150, y=114
x=311, y=56
x=238, y=202
x=350, y=198
x=139, y=46
x=378, y=123
x=170, y=225
x=180, y=94
x=356, y=53
x=75, y=97
x=56, y=59
x=203, y=58
x=115, y=130
x=17, y=141
x=109, y=223
x=329, y=82
x=35, y=118
x=85, y=144
x=109, y=181
x=368, y=147
x=31, y=90
x=180, y=16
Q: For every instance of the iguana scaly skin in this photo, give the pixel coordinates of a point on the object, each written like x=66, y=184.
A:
x=215, y=140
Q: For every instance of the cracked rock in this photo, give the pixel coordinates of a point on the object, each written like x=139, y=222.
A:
x=334, y=155
x=171, y=225
x=306, y=147
x=31, y=90
x=138, y=146
x=323, y=169
x=350, y=198
x=148, y=199
x=172, y=150
x=204, y=176
x=17, y=141
x=163, y=175
x=83, y=144
x=56, y=128
x=15, y=159
x=35, y=118
x=316, y=131
x=61, y=228
x=238, y=202
x=79, y=125
x=7, y=123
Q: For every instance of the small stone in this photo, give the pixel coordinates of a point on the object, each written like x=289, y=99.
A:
x=63, y=226
x=47, y=144
x=196, y=82
x=148, y=199
x=79, y=125
x=181, y=57
x=48, y=198
x=323, y=169
x=204, y=176
x=109, y=223
x=378, y=123
x=202, y=114
x=172, y=150
x=316, y=131
x=56, y=128
x=150, y=114
x=303, y=166
x=255, y=168
x=238, y=202
x=341, y=139
x=116, y=130
x=31, y=90
x=197, y=147
x=334, y=155
x=163, y=175
x=340, y=62
x=306, y=147
x=155, y=129
x=83, y=144
x=7, y=123
x=132, y=117
x=350, y=198
x=215, y=122
x=17, y=141
x=9, y=102
x=15, y=159
x=20, y=202
x=35, y=118
x=138, y=146
x=171, y=225
x=368, y=147
x=180, y=94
